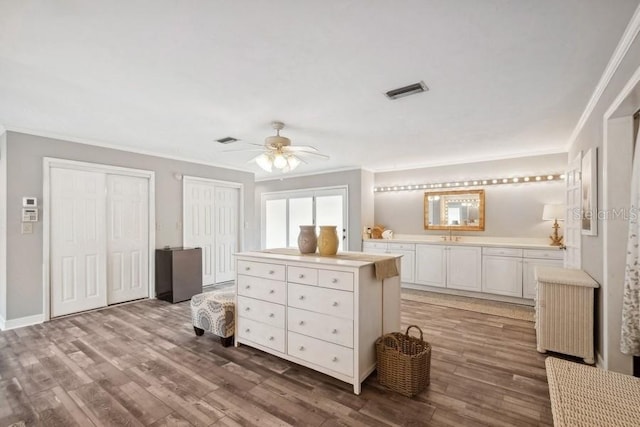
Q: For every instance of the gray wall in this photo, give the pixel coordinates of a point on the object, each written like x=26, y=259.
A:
x=25, y=154
x=512, y=210
x=3, y=225
x=591, y=136
x=353, y=179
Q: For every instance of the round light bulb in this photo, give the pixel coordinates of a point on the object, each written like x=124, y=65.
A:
x=279, y=161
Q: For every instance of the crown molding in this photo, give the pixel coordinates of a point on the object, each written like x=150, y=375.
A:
x=619, y=53
x=100, y=144
x=471, y=161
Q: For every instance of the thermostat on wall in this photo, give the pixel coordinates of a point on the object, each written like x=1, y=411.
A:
x=29, y=202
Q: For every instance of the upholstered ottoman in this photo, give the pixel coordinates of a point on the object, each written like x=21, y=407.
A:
x=214, y=311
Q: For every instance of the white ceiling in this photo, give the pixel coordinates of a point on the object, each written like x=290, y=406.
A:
x=506, y=78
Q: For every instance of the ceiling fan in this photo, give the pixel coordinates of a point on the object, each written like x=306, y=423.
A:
x=277, y=152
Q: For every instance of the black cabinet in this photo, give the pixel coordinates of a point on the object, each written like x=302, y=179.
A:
x=178, y=273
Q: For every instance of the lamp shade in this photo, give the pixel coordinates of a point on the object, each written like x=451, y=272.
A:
x=553, y=212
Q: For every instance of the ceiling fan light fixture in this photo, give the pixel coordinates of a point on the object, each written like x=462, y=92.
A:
x=279, y=161
x=293, y=162
x=264, y=161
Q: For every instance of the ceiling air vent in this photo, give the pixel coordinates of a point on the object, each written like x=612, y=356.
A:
x=407, y=90
x=227, y=140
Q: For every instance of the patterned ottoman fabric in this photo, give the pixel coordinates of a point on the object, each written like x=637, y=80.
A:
x=214, y=312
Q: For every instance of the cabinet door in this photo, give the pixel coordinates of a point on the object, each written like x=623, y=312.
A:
x=430, y=265
x=502, y=275
x=464, y=267
x=407, y=266
x=529, y=274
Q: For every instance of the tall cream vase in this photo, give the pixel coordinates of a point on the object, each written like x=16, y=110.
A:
x=328, y=240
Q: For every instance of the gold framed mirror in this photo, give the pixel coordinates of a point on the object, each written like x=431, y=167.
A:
x=457, y=209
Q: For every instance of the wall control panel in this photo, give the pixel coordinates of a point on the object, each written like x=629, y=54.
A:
x=29, y=215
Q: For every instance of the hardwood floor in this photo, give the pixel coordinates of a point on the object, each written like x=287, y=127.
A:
x=141, y=364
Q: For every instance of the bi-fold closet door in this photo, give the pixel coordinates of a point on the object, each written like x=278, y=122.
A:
x=211, y=219
x=99, y=239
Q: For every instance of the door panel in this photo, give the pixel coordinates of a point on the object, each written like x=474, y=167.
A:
x=226, y=206
x=198, y=224
x=431, y=265
x=78, y=241
x=127, y=238
x=572, y=235
x=464, y=268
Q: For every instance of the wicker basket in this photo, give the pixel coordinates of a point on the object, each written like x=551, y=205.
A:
x=404, y=362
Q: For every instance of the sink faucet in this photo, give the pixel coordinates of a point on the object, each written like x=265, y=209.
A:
x=450, y=234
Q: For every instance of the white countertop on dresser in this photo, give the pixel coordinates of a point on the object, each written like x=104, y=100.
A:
x=502, y=242
x=316, y=258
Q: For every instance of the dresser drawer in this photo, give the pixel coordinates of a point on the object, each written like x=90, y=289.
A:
x=328, y=328
x=374, y=245
x=261, y=269
x=262, y=311
x=321, y=353
x=515, y=252
x=304, y=275
x=261, y=333
x=402, y=247
x=321, y=300
x=543, y=254
x=264, y=289
x=342, y=280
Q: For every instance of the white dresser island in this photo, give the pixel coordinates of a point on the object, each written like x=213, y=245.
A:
x=324, y=313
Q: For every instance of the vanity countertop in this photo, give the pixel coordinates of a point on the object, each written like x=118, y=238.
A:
x=501, y=242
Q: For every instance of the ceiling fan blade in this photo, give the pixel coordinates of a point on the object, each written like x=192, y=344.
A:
x=311, y=153
x=299, y=148
x=244, y=150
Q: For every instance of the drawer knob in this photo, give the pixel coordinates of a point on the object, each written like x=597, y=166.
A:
x=247, y=268
x=301, y=276
x=247, y=309
x=335, y=359
x=335, y=331
x=301, y=297
x=248, y=287
x=271, y=338
x=301, y=348
x=335, y=303
x=272, y=291
x=247, y=330
x=334, y=280
x=271, y=315
x=301, y=323
x=271, y=272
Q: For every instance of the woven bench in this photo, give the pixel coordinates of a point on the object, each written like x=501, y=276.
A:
x=214, y=312
x=583, y=395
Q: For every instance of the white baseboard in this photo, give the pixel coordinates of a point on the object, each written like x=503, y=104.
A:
x=20, y=322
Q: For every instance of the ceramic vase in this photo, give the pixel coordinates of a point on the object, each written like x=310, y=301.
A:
x=307, y=240
x=328, y=240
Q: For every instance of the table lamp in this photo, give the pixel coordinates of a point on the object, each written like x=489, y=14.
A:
x=554, y=213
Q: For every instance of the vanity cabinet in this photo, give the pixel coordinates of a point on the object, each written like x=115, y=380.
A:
x=453, y=267
x=407, y=250
x=511, y=271
x=533, y=259
x=502, y=271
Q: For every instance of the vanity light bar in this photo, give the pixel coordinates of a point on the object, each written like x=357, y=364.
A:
x=473, y=183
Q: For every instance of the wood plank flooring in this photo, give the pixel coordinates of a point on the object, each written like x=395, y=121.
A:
x=141, y=364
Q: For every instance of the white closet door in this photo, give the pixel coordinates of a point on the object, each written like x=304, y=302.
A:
x=226, y=232
x=127, y=238
x=198, y=224
x=78, y=241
